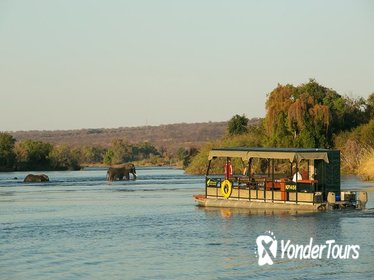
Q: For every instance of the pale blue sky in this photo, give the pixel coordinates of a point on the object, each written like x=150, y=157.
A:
x=91, y=64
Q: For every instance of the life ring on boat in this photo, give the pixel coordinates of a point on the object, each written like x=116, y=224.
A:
x=226, y=188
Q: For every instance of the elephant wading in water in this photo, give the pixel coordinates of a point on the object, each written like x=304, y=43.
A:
x=36, y=178
x=121, y=172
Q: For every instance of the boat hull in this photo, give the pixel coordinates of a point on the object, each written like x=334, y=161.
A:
x=231, y=203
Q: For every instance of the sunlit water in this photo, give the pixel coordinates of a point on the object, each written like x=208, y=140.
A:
x=79, y=227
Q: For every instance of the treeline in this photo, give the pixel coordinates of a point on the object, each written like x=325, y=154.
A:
x=38, y=155
x=307, y=116
x=172, y=136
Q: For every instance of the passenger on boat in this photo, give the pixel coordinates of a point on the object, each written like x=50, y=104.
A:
x=304, y=175
x=245, y=171
x=228, y=169
x=297, y=176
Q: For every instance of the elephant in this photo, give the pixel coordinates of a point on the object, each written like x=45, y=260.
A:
x=36, y=178
x=121, y=172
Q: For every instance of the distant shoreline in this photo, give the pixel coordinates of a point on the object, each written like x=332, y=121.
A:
x=171, y=136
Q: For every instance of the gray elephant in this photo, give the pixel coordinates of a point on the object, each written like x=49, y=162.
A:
x=36, y=178
x=121, y=172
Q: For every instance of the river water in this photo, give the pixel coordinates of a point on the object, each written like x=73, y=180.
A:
x=79, y=227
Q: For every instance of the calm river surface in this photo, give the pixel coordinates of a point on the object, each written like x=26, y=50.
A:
x=79, y=227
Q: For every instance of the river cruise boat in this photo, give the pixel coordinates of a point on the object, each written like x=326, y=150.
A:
x=276, y=178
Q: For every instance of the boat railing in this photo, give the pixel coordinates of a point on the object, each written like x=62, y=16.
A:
x=264, y=189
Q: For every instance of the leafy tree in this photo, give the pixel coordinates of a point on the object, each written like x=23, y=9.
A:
x=198, y=164
x=309, y=115
x=238, y=125
x=354, y=113
x=181, y=153
x=366, y=134
x=7, y=155
x=143, y=151
x=92, y=154
x=190, y=153
x=119, y=152
x=370, y=106
x=108, y=157
x=32, y=155
x=276, y=120
x=64, y=158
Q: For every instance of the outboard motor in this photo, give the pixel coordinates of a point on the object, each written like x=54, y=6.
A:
x=331, y=198
x=362, y=199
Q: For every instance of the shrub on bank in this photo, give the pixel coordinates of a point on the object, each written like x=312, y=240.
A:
x=356, y=148
x=366, y=168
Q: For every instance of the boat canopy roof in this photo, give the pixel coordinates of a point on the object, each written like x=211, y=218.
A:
x=292, y=154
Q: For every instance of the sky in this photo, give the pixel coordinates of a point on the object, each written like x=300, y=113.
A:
x=74, y=64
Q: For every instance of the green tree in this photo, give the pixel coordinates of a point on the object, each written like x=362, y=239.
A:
x=364, y=134
x=181, y=153
x=354, y=113
x=309, y=115
x=119, y=152
x=91, y=154
x=108, y=157
x=189, y=154
x=64, y=157
x=276, y=121
x=146, y=150
x=32, y=155
x=7, y=155
x=238, y=125
x=370, y=106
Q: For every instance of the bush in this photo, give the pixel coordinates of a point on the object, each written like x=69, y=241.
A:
x=355, y=146
x=32, y=155
x=366, y=168
x=64, y=158
x=7, y=155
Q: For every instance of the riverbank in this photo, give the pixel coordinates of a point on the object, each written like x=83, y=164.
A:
x=366, y=168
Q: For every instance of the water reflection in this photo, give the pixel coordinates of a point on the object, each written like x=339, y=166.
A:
x=228, y=213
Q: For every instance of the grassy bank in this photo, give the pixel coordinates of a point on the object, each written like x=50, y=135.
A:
x=366, y=167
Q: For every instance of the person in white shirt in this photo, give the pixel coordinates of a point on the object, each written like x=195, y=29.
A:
x=297, y=176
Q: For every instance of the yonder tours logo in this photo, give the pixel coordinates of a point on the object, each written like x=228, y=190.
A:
x=267, y=249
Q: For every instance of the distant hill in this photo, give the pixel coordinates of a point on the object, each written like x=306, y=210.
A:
x=171, y=136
